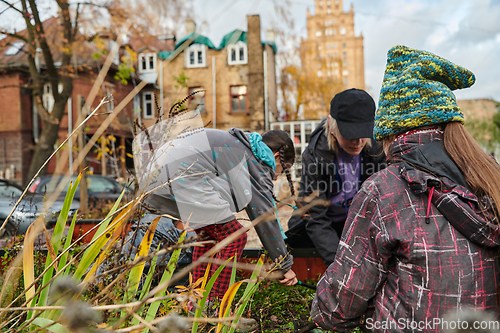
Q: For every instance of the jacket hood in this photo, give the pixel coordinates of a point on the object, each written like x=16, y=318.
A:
x=244, y=138
x=428, y=169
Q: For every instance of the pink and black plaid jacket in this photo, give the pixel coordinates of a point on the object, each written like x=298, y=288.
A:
x=416, y=245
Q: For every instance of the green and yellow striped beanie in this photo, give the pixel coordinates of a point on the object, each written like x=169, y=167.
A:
x=416, y=91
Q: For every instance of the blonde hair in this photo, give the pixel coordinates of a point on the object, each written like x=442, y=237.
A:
x=330, y=127
x=481, y=171
x=331, y=130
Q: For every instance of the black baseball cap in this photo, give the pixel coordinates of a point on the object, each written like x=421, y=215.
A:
x=354, y=111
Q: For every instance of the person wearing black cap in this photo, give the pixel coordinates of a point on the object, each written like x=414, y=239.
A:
x=339, y=157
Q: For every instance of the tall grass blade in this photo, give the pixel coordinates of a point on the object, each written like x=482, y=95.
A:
x=172, y=264
x=29, y=264
x=67, y=244
x=207, y=288
x=93, y=251
x=225, y=305
x=136, y=271
x=147, y=284
x=249, y=291
x=55, y=242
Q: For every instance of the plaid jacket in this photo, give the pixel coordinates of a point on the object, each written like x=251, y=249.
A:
x=416, y=245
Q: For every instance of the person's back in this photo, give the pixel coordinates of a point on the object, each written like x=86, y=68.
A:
x=434, y=255
x=422, y=236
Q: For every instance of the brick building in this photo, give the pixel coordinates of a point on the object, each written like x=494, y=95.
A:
x=20, y=125
x=238, y=78
x=331, y=49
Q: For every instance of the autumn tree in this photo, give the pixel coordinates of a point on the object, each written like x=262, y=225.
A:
x=306, y=84
x=77, y=22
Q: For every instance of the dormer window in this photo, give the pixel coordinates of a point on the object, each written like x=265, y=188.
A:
x=237, y=54
x=195, y=56
x=147, y=62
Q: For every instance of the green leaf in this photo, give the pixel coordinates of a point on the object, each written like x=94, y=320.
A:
x=147, y=284
x=172, y=264
x=55, y=327
x=56, y=241
x=93, y=251
x=247, y=294
x=136, y=272
x=67, y=244
x=208, y=288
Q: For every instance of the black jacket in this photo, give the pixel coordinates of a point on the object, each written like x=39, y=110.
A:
x=319, y=172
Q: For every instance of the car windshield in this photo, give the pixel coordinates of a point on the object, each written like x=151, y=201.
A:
x=50, y=186
x=100, y=185
x=7, y=190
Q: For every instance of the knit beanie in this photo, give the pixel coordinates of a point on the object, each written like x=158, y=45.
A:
x=416, y=91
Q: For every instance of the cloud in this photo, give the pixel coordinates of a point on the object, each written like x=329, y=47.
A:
x=465, y=32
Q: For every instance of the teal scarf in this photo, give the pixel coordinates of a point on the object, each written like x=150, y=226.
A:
x=261, y=150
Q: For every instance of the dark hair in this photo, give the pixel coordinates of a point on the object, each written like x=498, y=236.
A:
x=280, y=142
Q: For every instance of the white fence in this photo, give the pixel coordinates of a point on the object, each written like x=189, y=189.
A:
x=300, y=132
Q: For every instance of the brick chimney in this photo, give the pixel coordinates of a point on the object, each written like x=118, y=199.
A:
x=255, y=74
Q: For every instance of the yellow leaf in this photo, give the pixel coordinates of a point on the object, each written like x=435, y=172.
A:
x=136, y=272
x=225, y=305
x=28, y=260
x=116, y=229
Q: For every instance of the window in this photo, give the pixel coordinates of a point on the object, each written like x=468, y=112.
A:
x=343, y=44
x=345, y=72
x=344, y=54
x=238, y=98
x=195, y=55
x=237, y=53
x=147, y=105
x=318, y=33
x=197, y=101
x=147, y=62
x=320, y=74
x=330, y=32
x=329, y=11
x=48, y=97
x=342, y=31
x=14, y=48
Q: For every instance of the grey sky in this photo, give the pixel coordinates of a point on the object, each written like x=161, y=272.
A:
x=464, y=31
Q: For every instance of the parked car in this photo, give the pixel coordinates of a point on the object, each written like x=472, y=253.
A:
x=30, y=208
x=100, y=188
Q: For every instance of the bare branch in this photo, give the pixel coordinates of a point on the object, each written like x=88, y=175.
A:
x=14, y=35
x=11, y=6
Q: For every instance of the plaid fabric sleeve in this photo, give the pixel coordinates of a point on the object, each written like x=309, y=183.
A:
x=345, y=289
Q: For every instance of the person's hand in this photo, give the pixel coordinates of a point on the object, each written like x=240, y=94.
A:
x=289, y=279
